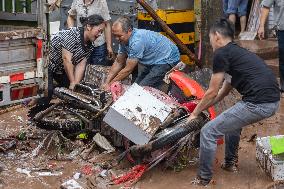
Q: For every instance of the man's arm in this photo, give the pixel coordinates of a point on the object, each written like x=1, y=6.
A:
x=213, y=95
x=117, y=66
x=127, y=70
x=263, y=18
x=68, y=66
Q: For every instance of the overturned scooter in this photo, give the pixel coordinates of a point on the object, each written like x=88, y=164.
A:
x=84, y=108
x=153, y=120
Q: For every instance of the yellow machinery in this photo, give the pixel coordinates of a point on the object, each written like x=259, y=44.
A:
x=178, y=15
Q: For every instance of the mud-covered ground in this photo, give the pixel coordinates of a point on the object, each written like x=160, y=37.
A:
x=250, y=175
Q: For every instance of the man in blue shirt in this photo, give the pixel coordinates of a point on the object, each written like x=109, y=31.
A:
x=154, y=54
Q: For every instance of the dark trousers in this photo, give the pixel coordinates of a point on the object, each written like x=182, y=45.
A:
x=281, y=58
x=61, y=80
x=98, y=56
x=152, y=75
x=64, y=8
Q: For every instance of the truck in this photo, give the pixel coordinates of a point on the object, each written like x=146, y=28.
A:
x=24, y=36
x=23, y=50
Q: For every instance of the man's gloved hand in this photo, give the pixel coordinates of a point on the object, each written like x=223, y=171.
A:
x=180, y=66
x=167, y=77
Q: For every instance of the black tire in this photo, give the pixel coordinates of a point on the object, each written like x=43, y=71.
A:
x=60, y=119
x=180, y=130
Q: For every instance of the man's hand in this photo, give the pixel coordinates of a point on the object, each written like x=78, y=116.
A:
x=52, y=6
x=261, y=32
x=167, y=77
x=106, y=87
x=191, y=117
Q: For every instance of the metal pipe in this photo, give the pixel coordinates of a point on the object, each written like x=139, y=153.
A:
x=40, y=115
x=169, y=32
x=13, y=6
x=3, y=5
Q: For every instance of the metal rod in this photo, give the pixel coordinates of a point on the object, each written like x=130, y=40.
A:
x=40, y=115
x=169, y=32
x=13, y=6
x=3, y=5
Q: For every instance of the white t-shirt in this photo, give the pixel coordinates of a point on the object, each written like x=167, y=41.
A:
x=79, y=9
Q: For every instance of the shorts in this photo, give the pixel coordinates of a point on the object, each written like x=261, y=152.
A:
x=235, y=7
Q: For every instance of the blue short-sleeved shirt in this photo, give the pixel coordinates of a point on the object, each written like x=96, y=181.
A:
x=150, y=48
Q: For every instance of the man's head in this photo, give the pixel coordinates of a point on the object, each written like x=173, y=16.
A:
x=221, y=32
x=122, y=29
x=94, y=26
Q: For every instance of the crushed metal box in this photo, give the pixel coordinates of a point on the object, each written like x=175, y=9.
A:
x=137, y=114
x=273, y=165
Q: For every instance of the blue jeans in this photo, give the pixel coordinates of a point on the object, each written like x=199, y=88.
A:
x=229, y=123
x=98, y=56
x=281, y=58
x=152, y=75
x=235, y=7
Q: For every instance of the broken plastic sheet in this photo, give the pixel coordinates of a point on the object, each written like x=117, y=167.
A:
x=277, y=145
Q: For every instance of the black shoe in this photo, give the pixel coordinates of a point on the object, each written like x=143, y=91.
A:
x=230, y=167
x=200, y=181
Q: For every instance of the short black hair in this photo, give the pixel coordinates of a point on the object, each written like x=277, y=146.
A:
x=223, y=27
x=125, y=22
x=92, y=20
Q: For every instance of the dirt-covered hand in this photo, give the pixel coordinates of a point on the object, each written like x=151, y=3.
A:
x=191, y=117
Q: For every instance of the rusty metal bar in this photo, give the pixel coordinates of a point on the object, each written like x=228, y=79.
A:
x=169, y=32
x=40, y=115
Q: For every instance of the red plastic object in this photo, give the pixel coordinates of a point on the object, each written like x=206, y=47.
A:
x=116, y=90
x=133, y=175
x=87, y=170
x=190, y=106
x=189, y=86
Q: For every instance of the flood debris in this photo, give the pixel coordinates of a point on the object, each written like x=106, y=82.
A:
x=6, y=144
x=77, y=175
x=71, y=184
x=103, y=143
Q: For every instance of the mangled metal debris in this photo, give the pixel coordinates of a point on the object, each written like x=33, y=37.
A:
x=137, y=119
x=102, y=142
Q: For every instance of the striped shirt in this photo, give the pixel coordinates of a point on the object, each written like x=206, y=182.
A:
x=73, y=41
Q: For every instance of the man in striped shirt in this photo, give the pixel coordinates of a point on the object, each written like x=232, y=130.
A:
x=69, y=51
